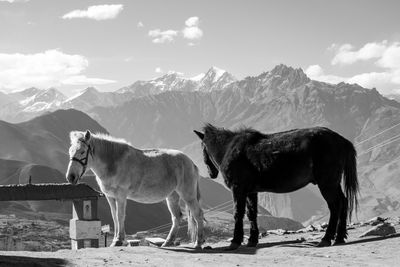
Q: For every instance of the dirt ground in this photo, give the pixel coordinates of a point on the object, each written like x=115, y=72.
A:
x=281, y=250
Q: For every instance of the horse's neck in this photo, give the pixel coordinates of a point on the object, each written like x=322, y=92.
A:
x=103, y=158
x=222, y=145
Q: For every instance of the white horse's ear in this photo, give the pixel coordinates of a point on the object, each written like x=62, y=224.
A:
x=72, y=135
x=87, y=135
x=199, y=134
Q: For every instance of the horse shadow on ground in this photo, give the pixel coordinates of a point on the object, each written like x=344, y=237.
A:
x=19, y=261
x=352, y=242
x=299, y=243
x=241, y=250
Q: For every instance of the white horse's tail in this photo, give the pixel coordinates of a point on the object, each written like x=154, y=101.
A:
x=192, y=225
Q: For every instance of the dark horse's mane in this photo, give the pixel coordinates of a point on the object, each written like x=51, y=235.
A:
x=218, y=133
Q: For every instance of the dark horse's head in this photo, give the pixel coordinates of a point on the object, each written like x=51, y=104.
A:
x=208, y=159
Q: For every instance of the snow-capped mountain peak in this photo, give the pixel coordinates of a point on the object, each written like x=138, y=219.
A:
x=197, y=77
x=86, y=91
x=215, y=79
x=214, y=74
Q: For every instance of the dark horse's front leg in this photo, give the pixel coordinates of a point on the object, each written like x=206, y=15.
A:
x=239, y=202
x=252, y=204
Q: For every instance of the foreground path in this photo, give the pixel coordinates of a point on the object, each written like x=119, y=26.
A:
x=273, y=250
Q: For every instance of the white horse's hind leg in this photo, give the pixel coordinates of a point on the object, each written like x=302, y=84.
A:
x=113, y=208
x=176, y=215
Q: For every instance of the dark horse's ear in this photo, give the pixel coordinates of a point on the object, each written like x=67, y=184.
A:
x=199, y=134
x=87, y=135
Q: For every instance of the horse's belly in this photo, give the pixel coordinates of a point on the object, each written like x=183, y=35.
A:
x=147, y=198
x=152, y=192
x=285, y=181
x=280, y=185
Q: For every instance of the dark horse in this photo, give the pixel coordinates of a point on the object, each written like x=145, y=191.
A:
x=253, y=162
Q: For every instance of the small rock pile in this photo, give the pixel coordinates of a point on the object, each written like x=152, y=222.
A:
x=382, y=227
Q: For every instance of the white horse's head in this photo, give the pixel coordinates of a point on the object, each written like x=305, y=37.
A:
x=80, y=154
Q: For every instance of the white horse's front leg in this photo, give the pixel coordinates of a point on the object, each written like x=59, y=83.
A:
x=113, y=208
x=121, y=209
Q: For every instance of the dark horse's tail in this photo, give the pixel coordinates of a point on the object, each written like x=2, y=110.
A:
x=350, y=177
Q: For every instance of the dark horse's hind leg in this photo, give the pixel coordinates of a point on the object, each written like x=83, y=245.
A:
x=342, y=227
x=331, y=196
x=252, y=203
x=239, y=202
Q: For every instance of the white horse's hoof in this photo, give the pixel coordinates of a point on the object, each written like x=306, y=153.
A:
x=167, y=244
x=197, y=246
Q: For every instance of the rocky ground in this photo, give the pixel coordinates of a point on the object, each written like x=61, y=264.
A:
x=33, y=234
x=276, y=248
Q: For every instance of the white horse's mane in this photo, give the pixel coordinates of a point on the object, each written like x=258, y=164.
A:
x=76, y=135
x=110, y=138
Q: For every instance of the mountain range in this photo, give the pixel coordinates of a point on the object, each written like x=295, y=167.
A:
x=163, y=111
x=31, y=102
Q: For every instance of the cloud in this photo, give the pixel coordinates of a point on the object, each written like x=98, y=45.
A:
x=345, y=54
x=192, y=30
x=390, y=57
x=158, y=70
x=100, y=12
x=128, y=59
x=373, y=79
x=14, y=1
x=315, y=72
x=385, y=82
x=383, y=57
x=161, y=37
x=192, y=22
x=140, y=24
x=44, y=69
x=83, y=80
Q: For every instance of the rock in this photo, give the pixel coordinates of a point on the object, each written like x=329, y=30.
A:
x=277, y=232
x=321, y=227
x=376, y=220
x=382, y=229
x=315, y=237
x=311, y=228
x=266, y=222
x=263, y=234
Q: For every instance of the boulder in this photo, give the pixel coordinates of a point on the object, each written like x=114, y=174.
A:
x=376, y=220
x=382, y=229
x=266, y=222
x=277, y=232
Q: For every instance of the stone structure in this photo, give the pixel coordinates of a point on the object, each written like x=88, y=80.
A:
x=85, y=226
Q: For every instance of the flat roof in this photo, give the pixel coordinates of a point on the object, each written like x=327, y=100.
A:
x=50, y=191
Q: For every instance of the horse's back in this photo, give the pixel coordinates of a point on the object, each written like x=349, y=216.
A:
x=286, y=161
x=185, y=172
x=176, y=162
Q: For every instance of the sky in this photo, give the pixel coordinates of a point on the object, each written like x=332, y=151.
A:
x=110, y=44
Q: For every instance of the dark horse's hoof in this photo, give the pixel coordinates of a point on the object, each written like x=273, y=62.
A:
x=233, y=246
x=252, y=244
x=324, y=243
x=339, y=242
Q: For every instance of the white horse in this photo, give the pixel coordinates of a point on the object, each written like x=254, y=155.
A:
x=147, y=176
